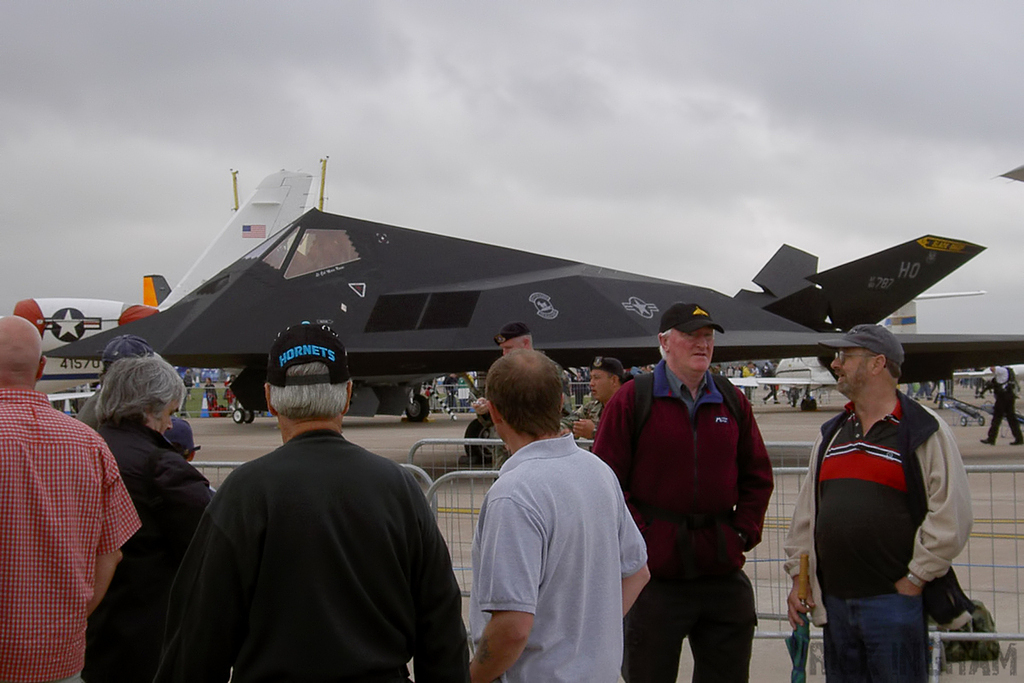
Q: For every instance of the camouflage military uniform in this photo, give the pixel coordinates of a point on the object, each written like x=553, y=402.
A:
x=591, y=410
x=974, y=650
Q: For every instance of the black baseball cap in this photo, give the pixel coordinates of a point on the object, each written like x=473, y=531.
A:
x=686, y=318
x=609, y=365
x=874, y=338
x=307, y=343
x=511, y=331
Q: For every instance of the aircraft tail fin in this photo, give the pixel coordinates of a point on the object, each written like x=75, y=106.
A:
x=862, y=291
x=154, y=290
x=277, y=201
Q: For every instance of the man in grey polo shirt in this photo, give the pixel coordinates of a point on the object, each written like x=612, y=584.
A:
x=557, y=558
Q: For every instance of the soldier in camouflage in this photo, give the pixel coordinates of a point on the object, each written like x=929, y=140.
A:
x=606, y=376
x=514, y=335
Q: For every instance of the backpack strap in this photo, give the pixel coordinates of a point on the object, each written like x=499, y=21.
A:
x=731, y=398
x=643, y=396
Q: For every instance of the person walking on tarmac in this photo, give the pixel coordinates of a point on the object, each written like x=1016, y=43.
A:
x=1004, y=386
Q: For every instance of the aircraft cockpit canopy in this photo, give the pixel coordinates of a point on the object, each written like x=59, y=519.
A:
x=309, y=250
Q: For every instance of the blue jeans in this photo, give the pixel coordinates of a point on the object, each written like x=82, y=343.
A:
x=881, y=638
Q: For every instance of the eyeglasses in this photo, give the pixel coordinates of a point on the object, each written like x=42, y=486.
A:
x=842, y=355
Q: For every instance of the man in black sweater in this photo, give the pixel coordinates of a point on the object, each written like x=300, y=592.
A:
x=320, y=561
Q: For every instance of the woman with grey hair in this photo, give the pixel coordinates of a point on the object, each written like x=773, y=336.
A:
x=136, y=402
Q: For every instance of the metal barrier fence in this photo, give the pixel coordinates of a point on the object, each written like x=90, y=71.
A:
x=440, y=456
x=989, y=568
x=451, y=399
x=217, y=471
x=455, y=498
x=214, y=471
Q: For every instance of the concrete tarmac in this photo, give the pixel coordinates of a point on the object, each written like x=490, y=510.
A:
x=223, y=440
x=392, y=437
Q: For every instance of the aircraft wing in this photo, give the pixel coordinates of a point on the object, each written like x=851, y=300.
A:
x=773, y=381
x=1016, y=174
x=928, y=356
x=971, y=374
x=68, y=396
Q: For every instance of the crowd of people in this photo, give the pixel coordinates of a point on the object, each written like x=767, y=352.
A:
x=322, y=561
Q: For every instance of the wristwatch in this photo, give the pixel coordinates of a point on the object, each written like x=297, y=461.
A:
x=912, y=578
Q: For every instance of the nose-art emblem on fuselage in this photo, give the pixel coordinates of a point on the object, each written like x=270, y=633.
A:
x=542, y=302
x=70, y=324
x=640, y=307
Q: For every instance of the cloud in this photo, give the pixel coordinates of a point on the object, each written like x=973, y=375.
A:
x=686, y=141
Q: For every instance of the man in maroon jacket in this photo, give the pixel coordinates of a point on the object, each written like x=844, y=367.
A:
x=697, y=478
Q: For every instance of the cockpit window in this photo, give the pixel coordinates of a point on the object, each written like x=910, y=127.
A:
x=275, y=259
x=277, y=238
x=320, y=250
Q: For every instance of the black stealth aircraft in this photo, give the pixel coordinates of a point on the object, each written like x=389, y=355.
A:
x=411, y=305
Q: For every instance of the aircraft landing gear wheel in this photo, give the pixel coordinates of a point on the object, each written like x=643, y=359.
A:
x=963, y=421
x=808, y=405
x=418, y=408
x=981, y=421
x=479, y=456
x=250, y=415
x=238, y=416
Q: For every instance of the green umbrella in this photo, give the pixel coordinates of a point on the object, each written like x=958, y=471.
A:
x=799, y=641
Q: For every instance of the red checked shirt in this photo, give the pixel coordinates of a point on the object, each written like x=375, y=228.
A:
x=62, y=504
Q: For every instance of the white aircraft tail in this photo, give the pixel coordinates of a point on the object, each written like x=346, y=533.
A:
x=276, y=202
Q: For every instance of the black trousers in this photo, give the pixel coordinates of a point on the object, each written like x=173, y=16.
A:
x=716, y=614
x=1001, y=409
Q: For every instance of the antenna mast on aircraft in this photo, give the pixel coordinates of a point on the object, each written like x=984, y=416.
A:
x=323, y=178
x=234, y=184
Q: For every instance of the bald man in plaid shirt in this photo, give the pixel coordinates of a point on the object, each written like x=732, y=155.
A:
x=64, y=514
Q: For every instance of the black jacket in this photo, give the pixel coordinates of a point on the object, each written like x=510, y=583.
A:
x=125, y=631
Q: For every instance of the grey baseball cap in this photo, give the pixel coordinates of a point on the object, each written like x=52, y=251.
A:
x=874, y=338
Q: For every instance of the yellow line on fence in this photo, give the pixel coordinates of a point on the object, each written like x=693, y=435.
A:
x=1015, y=537
x=459, y=511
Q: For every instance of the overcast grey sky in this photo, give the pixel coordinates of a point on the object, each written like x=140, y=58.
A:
x=683, y=140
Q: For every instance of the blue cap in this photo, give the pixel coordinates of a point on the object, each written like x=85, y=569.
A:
x=180, y=435
x=126, y=346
